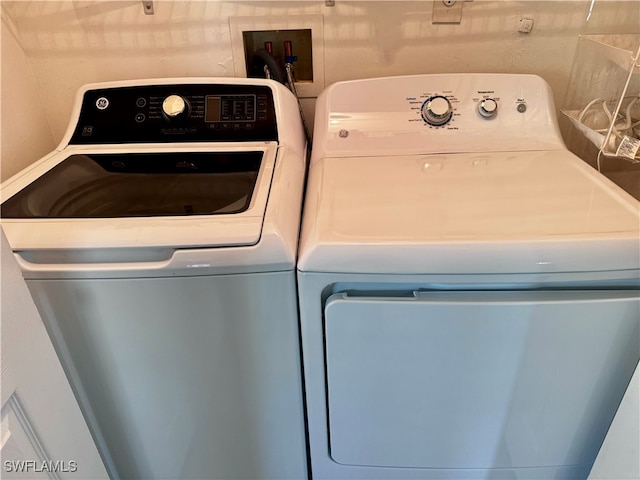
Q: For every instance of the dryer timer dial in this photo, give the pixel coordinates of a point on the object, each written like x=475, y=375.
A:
x=437, y=110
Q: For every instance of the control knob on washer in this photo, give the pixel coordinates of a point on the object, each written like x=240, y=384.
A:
x=488, y=108
x=175, y=106
x=437, y=110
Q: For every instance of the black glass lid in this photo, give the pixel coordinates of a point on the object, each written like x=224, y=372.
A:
x=140, y=185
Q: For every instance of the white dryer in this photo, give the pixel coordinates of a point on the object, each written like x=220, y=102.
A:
x=159, y=243
x=469, y=289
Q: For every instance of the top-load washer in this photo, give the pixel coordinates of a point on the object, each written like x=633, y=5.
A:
x=469, y=289
x=159, y=243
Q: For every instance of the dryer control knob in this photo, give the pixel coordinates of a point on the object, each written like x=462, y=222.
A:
x=488, y=108
x=437, y=110
x=174, y=106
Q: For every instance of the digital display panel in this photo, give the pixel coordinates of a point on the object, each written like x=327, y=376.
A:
x=212, y=109
x=230, y=108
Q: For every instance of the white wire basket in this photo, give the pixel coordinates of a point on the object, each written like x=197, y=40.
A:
x=604, y=96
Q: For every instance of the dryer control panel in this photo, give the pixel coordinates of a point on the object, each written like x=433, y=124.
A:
x=439, y=107
x=176, y=113
x=446, y=113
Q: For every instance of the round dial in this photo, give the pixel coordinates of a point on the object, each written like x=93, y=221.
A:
x=488, y=108
x=437, y=110
x=174, y=105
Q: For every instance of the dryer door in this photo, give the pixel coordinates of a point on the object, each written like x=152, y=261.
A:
x=477, y=379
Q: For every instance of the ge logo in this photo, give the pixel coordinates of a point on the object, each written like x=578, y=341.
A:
x=102, y=103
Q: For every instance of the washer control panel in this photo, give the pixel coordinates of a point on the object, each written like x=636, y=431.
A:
x=176, y=113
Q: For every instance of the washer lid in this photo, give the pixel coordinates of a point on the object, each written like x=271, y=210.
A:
x=97, y=198
x=121, y=185
x=500, y=212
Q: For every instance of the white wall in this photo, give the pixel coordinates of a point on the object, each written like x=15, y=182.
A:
x=69, y=43
x=26, y=134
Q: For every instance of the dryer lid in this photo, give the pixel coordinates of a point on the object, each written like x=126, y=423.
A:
x=466, y=213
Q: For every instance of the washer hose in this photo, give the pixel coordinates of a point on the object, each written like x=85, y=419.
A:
x=261, y=58
x=292, y=86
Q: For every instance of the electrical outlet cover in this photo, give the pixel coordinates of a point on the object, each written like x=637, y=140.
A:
x=238, y=25
x=526, y=25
